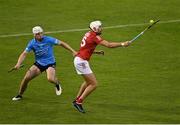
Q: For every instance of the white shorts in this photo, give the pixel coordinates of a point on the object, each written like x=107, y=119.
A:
x=82, y=66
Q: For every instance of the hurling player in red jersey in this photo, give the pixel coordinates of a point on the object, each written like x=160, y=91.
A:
x=87, y=48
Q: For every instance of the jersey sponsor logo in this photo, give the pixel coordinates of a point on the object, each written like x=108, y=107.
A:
x=43, y=51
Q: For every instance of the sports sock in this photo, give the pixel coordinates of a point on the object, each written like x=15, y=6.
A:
x=78, y=97
x=79, y=100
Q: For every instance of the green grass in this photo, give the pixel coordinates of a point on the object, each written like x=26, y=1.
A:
x=138, y=84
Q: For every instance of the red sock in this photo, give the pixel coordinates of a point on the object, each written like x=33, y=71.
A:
x=78, y=97
x=79, y=100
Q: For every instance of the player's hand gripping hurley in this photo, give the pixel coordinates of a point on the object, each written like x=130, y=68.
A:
x=12, y=69
x=143, y=31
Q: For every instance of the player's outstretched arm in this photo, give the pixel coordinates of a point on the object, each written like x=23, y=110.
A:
x=68, y=47
x=114, y=44
x=20, y=59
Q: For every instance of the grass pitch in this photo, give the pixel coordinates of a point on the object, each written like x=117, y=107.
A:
x=138, y=84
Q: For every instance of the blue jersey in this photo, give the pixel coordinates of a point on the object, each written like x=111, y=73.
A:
x=43, y=50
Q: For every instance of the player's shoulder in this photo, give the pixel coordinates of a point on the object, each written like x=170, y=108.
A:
x=91, y=33
x=48, y=37
x=94, y=35
x=32, y=41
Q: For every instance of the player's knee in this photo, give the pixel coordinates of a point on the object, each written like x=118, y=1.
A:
x=27, y=78
x=94, y=84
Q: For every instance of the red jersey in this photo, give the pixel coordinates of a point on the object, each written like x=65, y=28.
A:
x=88, y=45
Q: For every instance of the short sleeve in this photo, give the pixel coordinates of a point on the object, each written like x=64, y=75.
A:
x=98, y=39
x=29, y=47
x=54, y=41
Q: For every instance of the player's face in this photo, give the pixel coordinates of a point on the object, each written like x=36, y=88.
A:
x=99, y=30
x=38, y=36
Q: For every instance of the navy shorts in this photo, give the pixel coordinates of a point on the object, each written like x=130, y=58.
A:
x=43, y=68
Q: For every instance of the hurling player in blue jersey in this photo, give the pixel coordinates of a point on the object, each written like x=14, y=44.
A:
x=42, y=46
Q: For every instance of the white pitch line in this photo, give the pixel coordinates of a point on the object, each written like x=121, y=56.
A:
x=76, y=30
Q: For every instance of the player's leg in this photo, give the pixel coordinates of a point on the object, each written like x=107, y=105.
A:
x=51, y=76
x=82, y=88
x=91, y=86
x=87, y=87
x=30, y=74
x=82, y=67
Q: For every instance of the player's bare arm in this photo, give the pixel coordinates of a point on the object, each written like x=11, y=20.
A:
x=99, y=52
x=20, y=59
x=114, y=44
x=68, y=47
